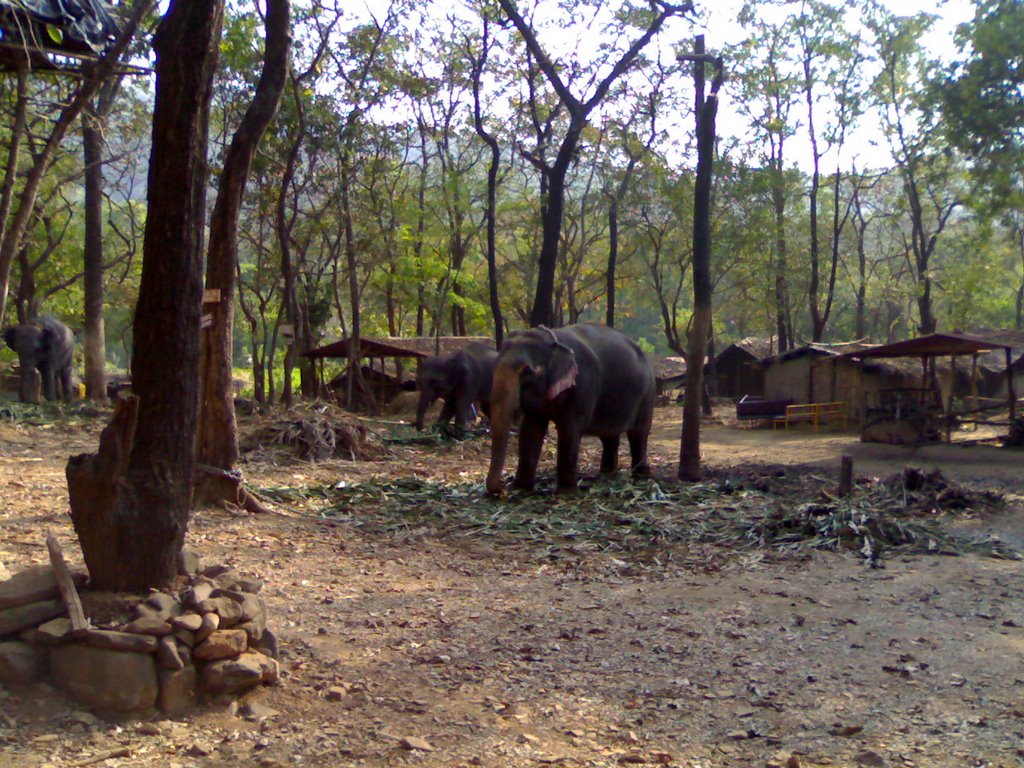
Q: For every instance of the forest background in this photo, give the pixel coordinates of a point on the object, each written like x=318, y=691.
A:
x=366, y=204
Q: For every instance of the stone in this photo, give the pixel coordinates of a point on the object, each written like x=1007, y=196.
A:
x=147, y=626
x=185, y=652
x=870, y=759
x=266, y=644
x=213, y=571
x=32, y=586
x=177, y=691
x=229, y=611
x=271, y=668
x=189, y=562
x=201, y=590
x=254, y=609
x=257, y=712
x=222, y=644
x=415, y=742
x=167, y=655
x=209, y=625
x=20, y=663
x=189, y=621
x=336, y=693
x=80, y=717
x=227, y=579
x=252, y=586
x=104, y=679
x=233, y=675
x=52, y=632
x=121, y=641
x=23, y=616
x=185, y=637
x=159, y=605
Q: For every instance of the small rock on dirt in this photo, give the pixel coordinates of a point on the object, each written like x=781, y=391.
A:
x=870, y=759
x=415, y=742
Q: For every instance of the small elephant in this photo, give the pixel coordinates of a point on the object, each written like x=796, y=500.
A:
x=47, y=345
x=462, y=378
x=587, y=379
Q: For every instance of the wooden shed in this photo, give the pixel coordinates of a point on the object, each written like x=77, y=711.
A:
x=819, y=373
x=738, y=367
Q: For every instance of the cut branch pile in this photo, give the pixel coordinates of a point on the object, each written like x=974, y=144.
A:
x=631, y=518
x=315, y=432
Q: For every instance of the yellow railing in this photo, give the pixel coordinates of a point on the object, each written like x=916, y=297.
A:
x=815, y=413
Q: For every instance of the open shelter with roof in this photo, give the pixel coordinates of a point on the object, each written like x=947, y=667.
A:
x=922, y=413
x=382, y=382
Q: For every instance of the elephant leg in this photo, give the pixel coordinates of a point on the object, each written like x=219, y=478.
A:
x=49, y=383
x=447, y=411
x=638, y=452
x=66, y=383
x=568, y=456
x=609, y=454
x=531, y=439
x=463, y=412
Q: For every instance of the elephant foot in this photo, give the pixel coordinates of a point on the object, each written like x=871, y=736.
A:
x=643, y=471
x=523, y=485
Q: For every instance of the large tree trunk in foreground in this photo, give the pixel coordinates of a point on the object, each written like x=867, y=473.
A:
x=217, y=440
x=130, y=502
x=689, y=444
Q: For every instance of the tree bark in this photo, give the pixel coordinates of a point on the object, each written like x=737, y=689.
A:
x=689, y=445
x=95, y=344
x=217, y=438
x=130, y=502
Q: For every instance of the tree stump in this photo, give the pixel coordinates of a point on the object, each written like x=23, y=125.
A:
x=846, y=475
x=94, y=484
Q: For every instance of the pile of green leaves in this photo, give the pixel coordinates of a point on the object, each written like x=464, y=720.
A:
x=624, y=518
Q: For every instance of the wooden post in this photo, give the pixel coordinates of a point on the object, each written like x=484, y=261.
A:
x=846, y=475
x=948, y=415
x=66, y=584
x=1011, y=394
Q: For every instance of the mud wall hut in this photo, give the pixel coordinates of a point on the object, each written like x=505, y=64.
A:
x=818, y=374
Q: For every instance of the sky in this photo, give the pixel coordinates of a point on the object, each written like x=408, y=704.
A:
x=866, y=144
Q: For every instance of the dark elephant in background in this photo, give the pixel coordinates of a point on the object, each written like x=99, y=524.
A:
x=45, y=345
x=461, y=378
x=588, y=380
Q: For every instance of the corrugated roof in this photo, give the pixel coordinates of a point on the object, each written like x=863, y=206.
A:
x=934, y=345
x=393, y=346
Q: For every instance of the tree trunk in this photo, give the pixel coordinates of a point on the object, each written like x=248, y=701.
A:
x=689, y=445
x=131, y=538
x=217, y=439
x=95, y=344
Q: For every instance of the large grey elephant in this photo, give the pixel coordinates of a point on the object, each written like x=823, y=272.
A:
x=45, y=345
x=461, y=378
x=588, y=380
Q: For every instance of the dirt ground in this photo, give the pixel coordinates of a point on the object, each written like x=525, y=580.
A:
x=507, y=653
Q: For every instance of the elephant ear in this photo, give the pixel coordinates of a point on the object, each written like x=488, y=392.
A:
x=9, y=336
x=562, y=370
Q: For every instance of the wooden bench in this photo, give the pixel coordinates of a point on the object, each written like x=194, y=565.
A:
x=815, y=413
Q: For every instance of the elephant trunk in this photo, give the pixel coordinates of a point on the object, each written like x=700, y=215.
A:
x=426, y=398
x=504, y=402
x=27, y=387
